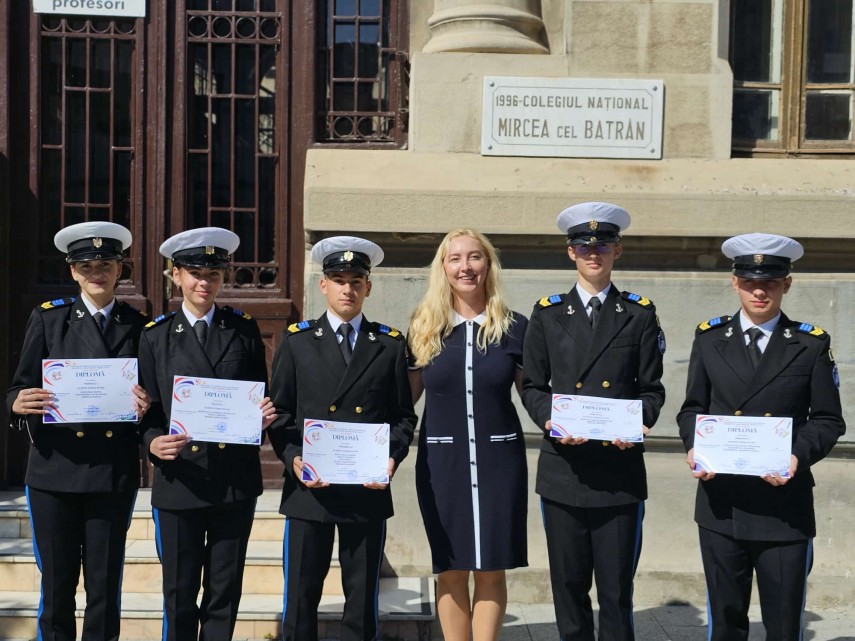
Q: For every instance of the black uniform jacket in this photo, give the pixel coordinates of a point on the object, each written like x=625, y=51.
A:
x=311, y=380
x=621, y=359
x=204, y=474
x=796, y=378
x=77, y=457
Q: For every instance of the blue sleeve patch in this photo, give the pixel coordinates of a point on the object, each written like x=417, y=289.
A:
x=661, y=340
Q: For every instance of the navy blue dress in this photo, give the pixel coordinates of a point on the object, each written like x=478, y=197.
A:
x=471, y=476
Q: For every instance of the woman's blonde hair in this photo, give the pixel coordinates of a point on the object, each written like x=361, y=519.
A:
x=432, y=321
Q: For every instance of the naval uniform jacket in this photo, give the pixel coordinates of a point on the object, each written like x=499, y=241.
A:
x=204, y=474
x=622, y=358
x=311, y=380
x=77, y=457
x=797, y=378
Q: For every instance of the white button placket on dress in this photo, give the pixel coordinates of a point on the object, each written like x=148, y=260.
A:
x=470, y=422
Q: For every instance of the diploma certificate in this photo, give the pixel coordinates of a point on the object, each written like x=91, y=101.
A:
x=217, y=410
x=750, y=445
x=604, y=419
x=90, y=390
x=346, y=453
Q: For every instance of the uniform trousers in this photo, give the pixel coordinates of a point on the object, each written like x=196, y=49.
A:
x=202, y=546
x=782, y=569
x=603, y=542
x=73, y=528
x=307, y=552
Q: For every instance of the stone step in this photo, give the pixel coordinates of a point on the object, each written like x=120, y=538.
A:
x=262, y=574
x=406, y=613
x=267, y=526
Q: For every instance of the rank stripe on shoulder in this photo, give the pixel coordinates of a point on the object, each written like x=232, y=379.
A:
x=391, y=331
x=296, y=328
x=637, y=298
x=713, y=322
x=549, y=301
x=237, y=312
x=160, y=319
x=57, y=302
x=813, y=330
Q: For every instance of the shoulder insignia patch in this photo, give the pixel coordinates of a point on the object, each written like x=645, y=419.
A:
x=160, y=319
x=390, y=331
x=813, y=330
x=59, y=302
x=296, y=328
x=713, y=322
x=636, y=298
x=237, y=312
x=549, y=301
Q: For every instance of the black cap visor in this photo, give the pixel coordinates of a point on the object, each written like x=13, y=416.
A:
x=210, y=257
x=761, y=267
x=95, y=249
x=347, y=261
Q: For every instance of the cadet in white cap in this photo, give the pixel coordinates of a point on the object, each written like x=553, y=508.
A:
x=340, y=367
x=595, y=341
x=760, y=363
x=81, y=477
x=204, y=493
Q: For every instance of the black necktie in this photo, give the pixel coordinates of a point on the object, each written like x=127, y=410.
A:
x=101, y=320
x=201, y=329
x=754, y=352
x=346, y=350
x=595, y=304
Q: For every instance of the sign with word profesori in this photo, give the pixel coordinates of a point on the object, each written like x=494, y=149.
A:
x=572, y=117
x=121, y=8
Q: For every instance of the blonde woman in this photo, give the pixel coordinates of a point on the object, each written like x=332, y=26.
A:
x=471, y=478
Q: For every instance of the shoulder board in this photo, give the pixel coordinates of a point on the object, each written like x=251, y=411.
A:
x=160, y=319
x=59, y=302
x=296, y=328
x=389, y=331
x=636, y=298
x=813, y=330
x=714, y=322
x=237, y=312
x=549, y=301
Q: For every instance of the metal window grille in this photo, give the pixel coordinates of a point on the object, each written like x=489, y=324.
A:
x=362, y=72
x=87, y=145
x=232, y=147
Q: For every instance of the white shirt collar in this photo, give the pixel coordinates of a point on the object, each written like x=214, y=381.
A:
x=585, y=297
x=767, y=328
x=209, y=317
x=94, y=310
x=457, y=319
x=335, y=322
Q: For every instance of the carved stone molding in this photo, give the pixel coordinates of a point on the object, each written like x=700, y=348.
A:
x=488, y=26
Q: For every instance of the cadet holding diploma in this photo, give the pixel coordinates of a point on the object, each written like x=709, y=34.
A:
x=593, y=341
x=760, y=363
x=339, y=368
x=204, y=493
x=82, y=478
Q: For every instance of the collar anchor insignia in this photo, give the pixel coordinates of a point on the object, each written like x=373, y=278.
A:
x=80, y=314
x=371, y=337
x=788, y=333
x=179, y=329
x=319, y=332
x=570, y=310
x=619, y=308
x=729, y=332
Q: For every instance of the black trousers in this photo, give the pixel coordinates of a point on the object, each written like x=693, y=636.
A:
x=307, y=551
x=599, y=542
x=782, y=569
x=70, y=530
x=202, y=547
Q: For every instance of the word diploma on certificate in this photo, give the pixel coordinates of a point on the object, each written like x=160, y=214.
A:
x=604, y=419
x=217, y=410
x=90, y=390
x=345, y=453
x=747, y=445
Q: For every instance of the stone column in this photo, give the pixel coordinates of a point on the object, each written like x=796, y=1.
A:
x=487, y=26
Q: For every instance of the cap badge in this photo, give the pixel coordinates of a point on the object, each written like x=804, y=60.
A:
x=758, y=259
x=209, y=249
x=593, y=225
x=348, y=256
x=97, y=242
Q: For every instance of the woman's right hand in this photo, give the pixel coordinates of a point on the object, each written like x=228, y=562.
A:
x=32, y=400
x=167, y=447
